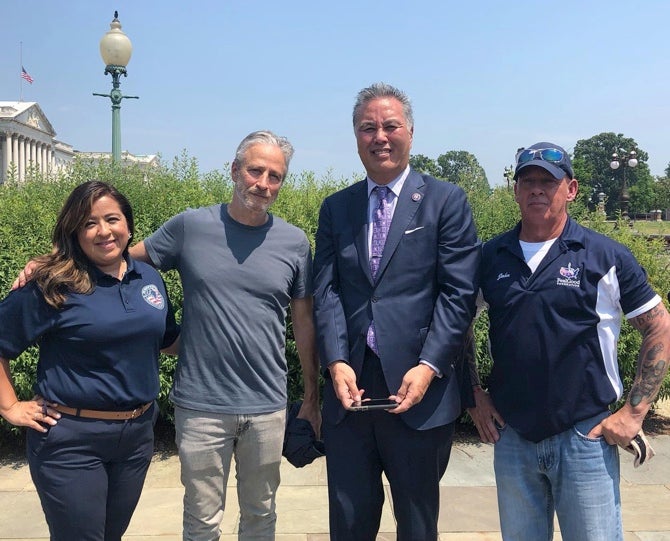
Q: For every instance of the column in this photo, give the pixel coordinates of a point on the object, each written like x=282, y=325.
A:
x=3, y=158
x=33, y=154
x=15, y=154
x=26, y=158
x=6, y=157
x=43, y=158
x=22, y=158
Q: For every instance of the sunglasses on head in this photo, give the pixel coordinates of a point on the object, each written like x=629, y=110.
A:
x=551, y=155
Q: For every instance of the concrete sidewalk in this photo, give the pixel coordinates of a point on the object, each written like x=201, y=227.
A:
x=469, y=510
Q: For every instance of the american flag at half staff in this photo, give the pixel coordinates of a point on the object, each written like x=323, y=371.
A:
x=25, y=75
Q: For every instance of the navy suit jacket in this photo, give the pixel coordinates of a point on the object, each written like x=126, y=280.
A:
x=422, y=301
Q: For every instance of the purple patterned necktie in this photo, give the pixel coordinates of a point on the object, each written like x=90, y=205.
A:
x=381, y=221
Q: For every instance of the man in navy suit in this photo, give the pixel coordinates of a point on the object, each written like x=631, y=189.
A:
x=391, y=328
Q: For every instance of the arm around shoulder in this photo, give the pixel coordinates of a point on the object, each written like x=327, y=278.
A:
x=173, y=348
x=139, y=252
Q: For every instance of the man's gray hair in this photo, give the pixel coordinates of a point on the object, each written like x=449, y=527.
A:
x=383, y=90
x=264, y=137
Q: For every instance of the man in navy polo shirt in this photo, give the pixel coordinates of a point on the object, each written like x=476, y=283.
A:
x=556, y=292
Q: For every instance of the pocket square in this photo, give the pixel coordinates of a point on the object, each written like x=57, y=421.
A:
x=413, y=230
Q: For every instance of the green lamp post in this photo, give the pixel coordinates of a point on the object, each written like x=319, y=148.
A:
x=509, y=174
x=115, y=49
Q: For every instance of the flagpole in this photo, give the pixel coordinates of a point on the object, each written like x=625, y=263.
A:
x=21, y=66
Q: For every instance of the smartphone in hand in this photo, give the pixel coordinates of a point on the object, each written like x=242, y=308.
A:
x=372, y=404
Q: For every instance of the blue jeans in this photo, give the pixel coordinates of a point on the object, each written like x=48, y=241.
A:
x=207, y=443
x=576, y=476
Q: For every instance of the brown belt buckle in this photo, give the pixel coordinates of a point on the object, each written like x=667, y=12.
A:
x=132, y=414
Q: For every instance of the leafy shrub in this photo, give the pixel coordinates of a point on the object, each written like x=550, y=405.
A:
x=28, y=212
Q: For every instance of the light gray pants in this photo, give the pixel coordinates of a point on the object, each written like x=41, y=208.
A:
x=207, y=443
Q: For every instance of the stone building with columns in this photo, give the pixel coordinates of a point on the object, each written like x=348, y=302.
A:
x=27, y=139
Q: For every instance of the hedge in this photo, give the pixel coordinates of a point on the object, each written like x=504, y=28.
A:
x=28, y=212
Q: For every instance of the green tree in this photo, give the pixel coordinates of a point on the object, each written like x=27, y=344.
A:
x=662, y=191
x=494, y=212
x=456, y=166
x=643, y=196
x=462, y=168
x=591, y=163
x=424, y=164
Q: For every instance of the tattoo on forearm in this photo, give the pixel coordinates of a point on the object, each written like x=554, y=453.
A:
x=643, y=321
x=654, y=356
x=654, y=351
x=652, y=371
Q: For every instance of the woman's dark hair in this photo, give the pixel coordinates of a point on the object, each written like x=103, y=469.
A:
x=67, y=269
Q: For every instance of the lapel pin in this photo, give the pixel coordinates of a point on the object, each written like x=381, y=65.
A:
x=416, y=197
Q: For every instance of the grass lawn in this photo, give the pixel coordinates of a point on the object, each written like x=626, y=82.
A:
x=652, y=228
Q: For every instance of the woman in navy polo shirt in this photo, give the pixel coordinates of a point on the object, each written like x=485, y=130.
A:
x=100, y=319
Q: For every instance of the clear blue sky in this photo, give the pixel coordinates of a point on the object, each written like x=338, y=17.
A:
x=483, y=76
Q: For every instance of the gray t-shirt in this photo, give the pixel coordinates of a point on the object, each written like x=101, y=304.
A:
x=238, y=281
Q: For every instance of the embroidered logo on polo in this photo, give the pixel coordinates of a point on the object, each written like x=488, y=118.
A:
x=153, y=297
x=569, y=276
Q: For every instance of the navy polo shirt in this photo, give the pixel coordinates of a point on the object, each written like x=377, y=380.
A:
x=553, y=333
x=100, y=350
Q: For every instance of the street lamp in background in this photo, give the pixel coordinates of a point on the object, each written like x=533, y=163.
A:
x=627, y=159
x=509, y=174
x=115, y=49
x=601, y=202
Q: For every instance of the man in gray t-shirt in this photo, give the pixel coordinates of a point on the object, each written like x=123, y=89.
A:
x=241, y=268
